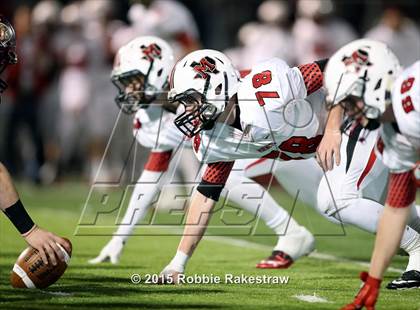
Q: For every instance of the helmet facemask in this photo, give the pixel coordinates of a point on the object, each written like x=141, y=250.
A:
x=135, y=91
x=199, y=113
x=359, y=77
x=356, y=111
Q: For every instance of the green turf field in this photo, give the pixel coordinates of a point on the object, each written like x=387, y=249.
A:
x=84, y=286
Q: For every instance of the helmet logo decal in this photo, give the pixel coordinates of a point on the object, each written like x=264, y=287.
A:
x=204, y=67
x=357, y=60
x=151, y=52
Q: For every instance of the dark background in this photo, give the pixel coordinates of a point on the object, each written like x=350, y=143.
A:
x=231, y=14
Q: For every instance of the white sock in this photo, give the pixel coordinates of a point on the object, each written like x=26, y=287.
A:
x=410, y=242
x=179, y=262
x=414, y=218
x=253, y=198
x=145, y=190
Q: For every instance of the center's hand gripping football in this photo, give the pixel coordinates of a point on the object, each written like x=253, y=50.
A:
x=46, y=243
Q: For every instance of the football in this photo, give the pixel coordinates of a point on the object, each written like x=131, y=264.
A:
x=29, y=271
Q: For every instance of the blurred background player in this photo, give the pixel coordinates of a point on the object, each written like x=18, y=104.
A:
x=371, y=90
x=141, y=73
x=317, y=32
x=267, y=38
x=44, y=241
x=399, y=32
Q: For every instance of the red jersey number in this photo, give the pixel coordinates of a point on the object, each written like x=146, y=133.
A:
x=406, y=85
x=301, y=145
x=260, y=79
x=261, y=95
x=406, y=102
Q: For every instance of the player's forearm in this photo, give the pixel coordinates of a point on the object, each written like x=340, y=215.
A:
x=12, y=206
x=197, y=221
x=335, y=119
x=390, y=230
x=8, y=194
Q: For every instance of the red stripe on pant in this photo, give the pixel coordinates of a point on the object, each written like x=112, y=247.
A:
x=158, y=161
x=254, y=163
x=369, y=166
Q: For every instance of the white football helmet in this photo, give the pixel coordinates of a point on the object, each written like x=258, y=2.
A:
x=146, y=62
x=204, y=80
x=363, y=69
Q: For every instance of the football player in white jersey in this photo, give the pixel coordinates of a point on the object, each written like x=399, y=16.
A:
x=141, y=73
x=364, y=79
x=265, y=115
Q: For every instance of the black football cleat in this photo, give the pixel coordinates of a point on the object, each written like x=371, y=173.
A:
x=409, y=279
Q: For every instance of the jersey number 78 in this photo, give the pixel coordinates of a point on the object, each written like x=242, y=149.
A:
x=260, y=79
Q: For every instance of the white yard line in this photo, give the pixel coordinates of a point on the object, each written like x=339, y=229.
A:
x=321, y=256
x=311, y=298
x=55, y=293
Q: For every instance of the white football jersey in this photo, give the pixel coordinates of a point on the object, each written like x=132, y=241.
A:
x=401, y=146
x=277, y=118
x=154, y=128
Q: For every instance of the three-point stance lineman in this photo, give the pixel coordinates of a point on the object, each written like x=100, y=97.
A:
x=141, y=73
x=364, y=79
x=267, y=115
x=230, y=119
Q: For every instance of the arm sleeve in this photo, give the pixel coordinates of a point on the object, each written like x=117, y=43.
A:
x=214, y=179
x=401, y=189
x=312, y=76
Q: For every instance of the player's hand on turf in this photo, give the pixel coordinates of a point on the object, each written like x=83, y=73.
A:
x=110, y=252
x=46, y=244
x=367, y=295
x=169, y=276
x=329, y=149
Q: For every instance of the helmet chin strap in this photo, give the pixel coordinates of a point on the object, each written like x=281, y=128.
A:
x=146, y=85
x=372, y=124
x=226, y=89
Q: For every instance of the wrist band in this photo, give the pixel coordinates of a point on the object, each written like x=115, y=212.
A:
x=19, y=217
